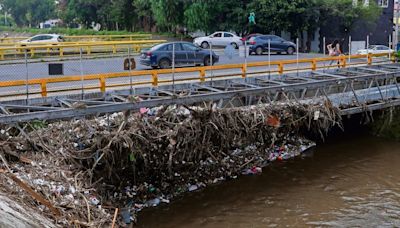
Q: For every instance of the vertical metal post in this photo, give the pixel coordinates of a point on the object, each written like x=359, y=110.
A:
x=367, y=47
x=211, y=61
x=130, y=71
x=269, y=59
x=245, y=59
x=396, y=36
x=297, y=55
x=27, y=76
x=349, y=49
x=390, y=47
x=81, y=69
x=324, y=49
x=173, y=66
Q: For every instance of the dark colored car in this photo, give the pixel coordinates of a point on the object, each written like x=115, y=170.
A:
x=259, y=45
x=186, y=54
x=248, y=37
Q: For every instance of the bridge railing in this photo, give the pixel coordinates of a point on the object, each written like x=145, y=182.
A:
x=13, y=40
x=72, y=48
x=101, y=82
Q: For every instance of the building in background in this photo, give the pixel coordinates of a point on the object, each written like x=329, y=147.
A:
x=378, y=33
x=50, y=23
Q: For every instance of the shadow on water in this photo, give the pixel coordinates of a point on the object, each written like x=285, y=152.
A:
x=340, y=183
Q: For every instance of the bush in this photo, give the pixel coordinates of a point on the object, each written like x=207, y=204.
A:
x=64, y=31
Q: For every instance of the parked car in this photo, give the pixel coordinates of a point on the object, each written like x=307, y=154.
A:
x=259, y=45
x=375, y=49
x=248, y=37
x=186, y=54
x=43, y=38
x=219, y=39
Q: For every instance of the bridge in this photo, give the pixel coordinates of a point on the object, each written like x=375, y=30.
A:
x=353, y=88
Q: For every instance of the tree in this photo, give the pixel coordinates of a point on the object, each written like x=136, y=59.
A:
x=144, y=14
x=29, y=12
x=344, y=13
x=197, y=16
x=168, y=13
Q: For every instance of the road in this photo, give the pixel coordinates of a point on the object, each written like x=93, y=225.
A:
x=18, y=71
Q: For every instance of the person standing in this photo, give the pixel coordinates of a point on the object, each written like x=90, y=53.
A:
x=334, y=50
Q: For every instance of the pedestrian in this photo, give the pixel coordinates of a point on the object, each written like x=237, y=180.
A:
x=334, y=50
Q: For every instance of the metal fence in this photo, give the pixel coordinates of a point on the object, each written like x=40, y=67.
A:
x=30, y=76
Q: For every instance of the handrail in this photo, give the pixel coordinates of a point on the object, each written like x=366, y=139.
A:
x=43, y=82
x=61, y=46
x=131, y=36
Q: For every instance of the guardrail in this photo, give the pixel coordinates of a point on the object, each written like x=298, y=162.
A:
x=155, y=74
x=92, y=37
x=61, y=48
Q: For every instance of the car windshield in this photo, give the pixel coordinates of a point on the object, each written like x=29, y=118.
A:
x=372, y=46
x=154, y=48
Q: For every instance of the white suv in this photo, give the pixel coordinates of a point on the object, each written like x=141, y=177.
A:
x=43, y=38
x=219, y=39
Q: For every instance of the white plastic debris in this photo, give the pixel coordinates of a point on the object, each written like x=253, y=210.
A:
x=94, y=200
x=193, y=188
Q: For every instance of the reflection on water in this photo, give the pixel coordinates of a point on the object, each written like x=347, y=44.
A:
x=345, y=183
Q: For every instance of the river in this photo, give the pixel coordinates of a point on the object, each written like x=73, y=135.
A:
x=348, y=181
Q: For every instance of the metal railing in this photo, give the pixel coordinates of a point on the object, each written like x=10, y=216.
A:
x=62, y=48
x=11, y=40
x=156, y=75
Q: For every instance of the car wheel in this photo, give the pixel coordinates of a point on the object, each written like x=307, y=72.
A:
x=234, y=45
x=207, y=61
x=259, y=50
x=164, y=63
x=205, y=45
x=290, y=51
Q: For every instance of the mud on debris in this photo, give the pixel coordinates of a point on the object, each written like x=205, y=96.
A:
x=85, y=169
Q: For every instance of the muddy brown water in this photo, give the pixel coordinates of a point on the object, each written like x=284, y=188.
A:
x=352, y=181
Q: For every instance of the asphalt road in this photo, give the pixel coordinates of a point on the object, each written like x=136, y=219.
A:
x=18, y=71
x=38, y=69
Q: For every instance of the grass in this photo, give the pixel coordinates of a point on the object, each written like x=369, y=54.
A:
x=65, y=31
x=81, y=32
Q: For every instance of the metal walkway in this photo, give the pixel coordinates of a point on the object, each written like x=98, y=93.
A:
x=353, y=90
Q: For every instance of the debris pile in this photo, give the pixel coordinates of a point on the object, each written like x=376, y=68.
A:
x=86, y=169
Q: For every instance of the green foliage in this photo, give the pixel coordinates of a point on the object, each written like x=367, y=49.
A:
x=294, y=16
x=29, y=12
x=346, y=14
x=387, y=125
x=38, y=124
x=197, y=16
x=65, y=31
